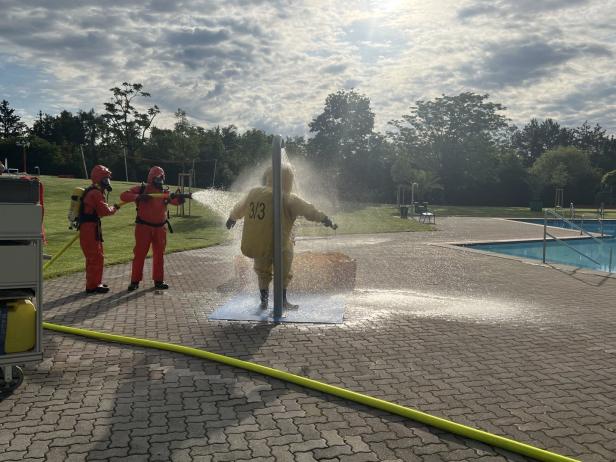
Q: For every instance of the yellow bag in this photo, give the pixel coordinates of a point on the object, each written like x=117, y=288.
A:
x=17, y=326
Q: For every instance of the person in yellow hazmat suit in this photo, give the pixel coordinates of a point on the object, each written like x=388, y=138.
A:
x=257, y=210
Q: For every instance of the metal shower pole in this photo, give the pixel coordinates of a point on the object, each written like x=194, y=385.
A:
x=277, y=191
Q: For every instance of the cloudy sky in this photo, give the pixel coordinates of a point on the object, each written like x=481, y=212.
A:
x=270, y=64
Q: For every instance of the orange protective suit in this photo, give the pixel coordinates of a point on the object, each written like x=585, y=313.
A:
x=151, y=226
x=90, y=233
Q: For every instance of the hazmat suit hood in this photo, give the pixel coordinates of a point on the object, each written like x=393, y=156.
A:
x=156, y=177
x=287, y=178
x=101, y=175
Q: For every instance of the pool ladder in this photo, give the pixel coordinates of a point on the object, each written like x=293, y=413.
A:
x=556, y=215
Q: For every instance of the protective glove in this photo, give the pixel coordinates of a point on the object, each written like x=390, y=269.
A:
x=230, y=223
x=178, y=195
x=116, y=207
x=328, y=223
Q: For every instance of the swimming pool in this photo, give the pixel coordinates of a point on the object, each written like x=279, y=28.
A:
x=557, y=252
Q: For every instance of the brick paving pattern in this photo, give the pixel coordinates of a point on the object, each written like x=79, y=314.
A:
x=521, y=350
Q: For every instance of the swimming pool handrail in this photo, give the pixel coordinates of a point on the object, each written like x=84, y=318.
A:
x=572, y=248
x=570, y=223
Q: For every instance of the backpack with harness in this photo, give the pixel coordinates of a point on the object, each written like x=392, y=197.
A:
x=77, y=215
x=140, y=221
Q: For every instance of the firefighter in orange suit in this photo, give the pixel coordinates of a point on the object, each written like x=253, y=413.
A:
x=151, y=226
x=92, y=208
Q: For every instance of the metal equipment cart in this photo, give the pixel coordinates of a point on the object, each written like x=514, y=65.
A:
x=21, y=255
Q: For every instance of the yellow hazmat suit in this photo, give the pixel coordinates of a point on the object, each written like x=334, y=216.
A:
x=258, y=234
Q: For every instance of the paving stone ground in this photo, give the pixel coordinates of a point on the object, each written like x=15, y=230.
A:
x=518, y=349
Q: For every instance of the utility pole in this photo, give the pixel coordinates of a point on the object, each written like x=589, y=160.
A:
x=25, y=145
x=125, y=164
x=214, y=175
x=413, y=198
x=83, y=159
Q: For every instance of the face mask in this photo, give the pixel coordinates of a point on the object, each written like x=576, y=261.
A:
x=159, y=182
x=106, y=184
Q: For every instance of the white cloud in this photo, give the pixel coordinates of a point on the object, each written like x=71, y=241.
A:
x=271, y=64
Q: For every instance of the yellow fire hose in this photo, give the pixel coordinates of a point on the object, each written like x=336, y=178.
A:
x=76, y=236
x=437, y=422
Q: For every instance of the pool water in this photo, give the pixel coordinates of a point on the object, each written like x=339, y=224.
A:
x=603, y=252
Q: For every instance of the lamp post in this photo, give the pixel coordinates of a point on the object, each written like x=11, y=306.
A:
x=214, y=175
x=25, y=145
x=125, y=165
x=413, y=197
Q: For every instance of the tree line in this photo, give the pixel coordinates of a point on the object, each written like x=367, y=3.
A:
x=459, y=149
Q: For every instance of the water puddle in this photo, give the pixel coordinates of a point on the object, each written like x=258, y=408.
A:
x=375, y=304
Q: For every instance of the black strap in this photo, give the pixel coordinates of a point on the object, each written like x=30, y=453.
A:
x=140, y=221
x=141, y=191
x=83, y=217
x=90, y=217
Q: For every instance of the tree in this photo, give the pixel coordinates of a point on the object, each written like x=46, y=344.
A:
x=346, y=148
x=609, y=179
x=186, y=137
x=608, y=185
x=512, y=181
x=64, y=128
x=569, y=168
x=453, y=119
x=296, y=147
x=11, y=125
x=536, y=138
x=342, y=129
x=457, y=138
x=127, y=125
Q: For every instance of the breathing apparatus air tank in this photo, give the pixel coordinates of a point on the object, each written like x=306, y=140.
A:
x=74, y=207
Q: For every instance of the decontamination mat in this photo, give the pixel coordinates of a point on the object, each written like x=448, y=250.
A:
x=313, y=308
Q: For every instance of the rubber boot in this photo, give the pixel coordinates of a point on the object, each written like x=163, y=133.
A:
x=161, y=285
x=287, y=305
x=101, y=289
x=264, y=298
x=133, y=286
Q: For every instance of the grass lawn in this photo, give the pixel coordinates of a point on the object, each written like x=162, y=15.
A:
x=205, y=228
x=362, y=219
x=202, y=229
x=471, y=211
